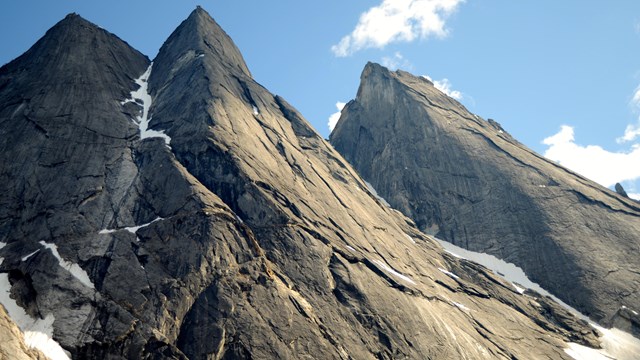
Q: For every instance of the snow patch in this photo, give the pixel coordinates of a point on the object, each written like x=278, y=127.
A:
x=30, y=255
x=393, y=272
x=461, y=306
x=134, y=229
x=72, y=268
x=375, y=193
x=142, y=96
x=255, y=110
x=454, y=254
x=351, y=248
x=37, y=332
x=616, y=344
x=507, y=270
x=410, y=238
x=449, y=273
x=518, y=288
x=2, y=245
x=625, y=307
x=131, y=229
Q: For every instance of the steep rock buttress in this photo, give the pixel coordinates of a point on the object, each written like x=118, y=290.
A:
x=248, y=237
x=469, y=182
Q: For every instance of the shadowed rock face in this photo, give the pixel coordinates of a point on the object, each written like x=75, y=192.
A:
x=469, y=182
x=247, y=237
x=620, y=190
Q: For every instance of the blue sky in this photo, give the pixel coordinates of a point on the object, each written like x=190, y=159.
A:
x=533, y=66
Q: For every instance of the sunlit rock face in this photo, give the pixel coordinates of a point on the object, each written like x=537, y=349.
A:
x=467, y=181
x=180, y=210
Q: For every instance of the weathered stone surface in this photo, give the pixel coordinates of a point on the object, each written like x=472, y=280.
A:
x=469, y=182
x=620, y=190
x=627, y=320
x=12, y=344
x=248, y=237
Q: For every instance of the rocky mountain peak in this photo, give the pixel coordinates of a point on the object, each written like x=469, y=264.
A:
x=246, y=236
x=199, y=37
x=382, y=89
x=377, y=83
x=71, y=37
x=372, y=67
x=74, y=17
x=374, y=70
x=467, y=181
x=74, y=51
x=72, y=22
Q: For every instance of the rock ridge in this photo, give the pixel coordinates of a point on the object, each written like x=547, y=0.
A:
x=467, y=181
x=248, y=237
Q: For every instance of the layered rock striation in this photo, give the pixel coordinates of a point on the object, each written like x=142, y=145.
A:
x=224, y=227
x=467, y=181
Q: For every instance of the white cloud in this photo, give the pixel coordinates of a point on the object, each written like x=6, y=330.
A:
x=632, y=189
x=632, y=131
x=333, y=119
x=396, y=61
x=397, y=20
x=592, y=161
x=444, y=85
x=636, y=98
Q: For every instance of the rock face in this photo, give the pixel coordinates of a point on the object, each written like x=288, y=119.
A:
x=214, y=222
x=620, y=190
x=469, y=182
x=12, y=345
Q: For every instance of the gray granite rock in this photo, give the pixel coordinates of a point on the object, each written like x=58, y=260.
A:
x=467, y=181
x=620, y=190
x=247, y=237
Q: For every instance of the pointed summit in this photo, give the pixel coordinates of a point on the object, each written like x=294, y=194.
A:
x=199, y=36
x=250, y=237
x=69, y=36
x=75, y=51
x=198, y=63
x=468, y=182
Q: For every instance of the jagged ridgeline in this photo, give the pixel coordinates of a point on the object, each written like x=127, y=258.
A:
x=180, y=210
x=467, y=181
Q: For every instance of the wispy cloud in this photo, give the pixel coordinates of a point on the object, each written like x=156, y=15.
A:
x=396, y=61
x=633, y=130
x=445, y=86
x=632, y=189
x=635, y=100
x=333, y=119
x=630, y=133
x=594, y=162
x=395, y=21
